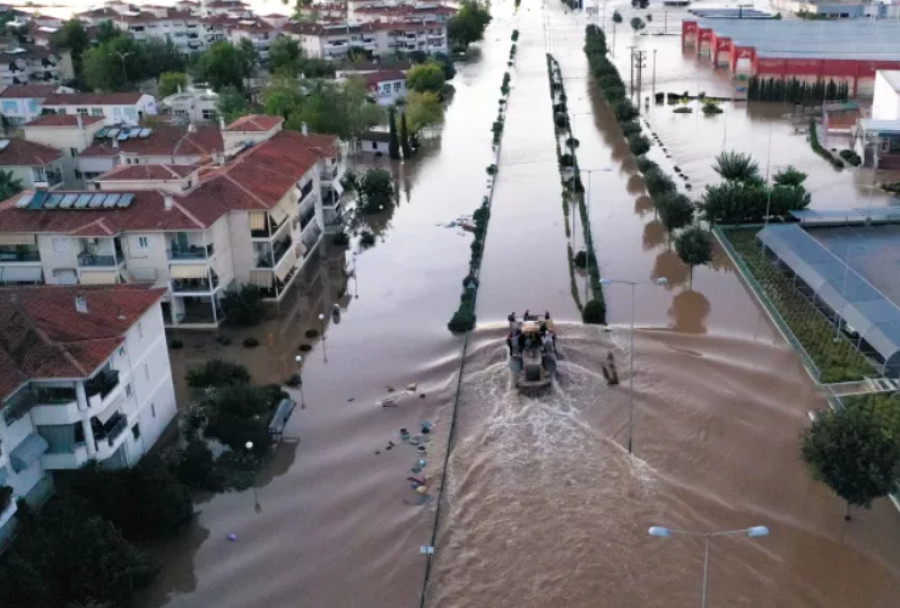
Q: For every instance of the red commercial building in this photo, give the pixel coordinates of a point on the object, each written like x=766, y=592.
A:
x=843, y=51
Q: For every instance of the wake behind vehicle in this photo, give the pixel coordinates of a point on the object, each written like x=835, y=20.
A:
x=532, y=352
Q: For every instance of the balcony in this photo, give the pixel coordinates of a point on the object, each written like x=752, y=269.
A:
x=268, y=228
x=330, y=172
x=102, y=384
x=267, y=257
x=306, y=216
x=112, y=430
x=19, y=254
x=93, y=259
x=196, y=285
x=305, y=190
x=191, y=252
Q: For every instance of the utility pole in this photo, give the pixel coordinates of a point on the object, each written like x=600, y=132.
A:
x=638, y=63
x=654, y=71
x=631, y=65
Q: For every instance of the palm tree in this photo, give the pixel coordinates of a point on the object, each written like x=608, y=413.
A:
x=10, y=185
x=737, y=167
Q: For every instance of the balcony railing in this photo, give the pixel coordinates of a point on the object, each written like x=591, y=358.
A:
x=186, y=285
x=117, y=429
x=102, y=384
x=269, y=258
x=32, y=255
x=94, y=259
x=110, y=431
x=306, y=216
x=192, y=252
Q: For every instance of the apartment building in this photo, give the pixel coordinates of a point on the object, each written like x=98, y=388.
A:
x=182, y=27
x=33, y=64
x=165, y=145
x=71, y=134
x=386, y=87
x=393, y=13
x=190, y=106
x=260, y=33
x=32, y=163
x=23, y=102
x=194, y=231
x=115, y=108
x=333, y=41
x=227, y=8
x=84, y=375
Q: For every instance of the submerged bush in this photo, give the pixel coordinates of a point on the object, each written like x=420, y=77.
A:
x=594, y=312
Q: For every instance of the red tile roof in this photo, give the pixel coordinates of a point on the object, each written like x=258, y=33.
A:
x=24, y=91
x=255, y=122
x=43, y=336
x=62, y=120
x=93, y=99
x=373, y=78
x=147, y=172
x=24, y=153
x=169, y=140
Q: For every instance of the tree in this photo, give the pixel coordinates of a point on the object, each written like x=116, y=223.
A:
x=106, y=32
x=285, y=56
x=404, y=137
x=170, y=83
x=122, y=62
x=393, y=143
x=694, y=247
x=232, y=104
x=469, y=23
x=789, y=176
x=340, y=108
x=617, y=17
x=446, y=64
x=243, y=306
x=594, y=312
x=376, y=191
x=72, y=37
x=217, y=373
x=249, y=57
x=637, y=24
x=423, y=110
x=426, y=77
x=853, y=455
x=239, y=413
x=10, y=185
x=737, y=167
x=675, y=211
x=224, y=64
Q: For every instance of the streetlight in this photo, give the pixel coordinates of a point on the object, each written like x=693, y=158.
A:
x=249, y=446
x=355, y=279
x=322, y=332
x=839, y=314
x=122, y=56
x=658, y=281
x=754, y=532
x=299, y=360
x=586, y=230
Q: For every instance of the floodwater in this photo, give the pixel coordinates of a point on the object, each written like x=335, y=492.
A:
x=543, y=506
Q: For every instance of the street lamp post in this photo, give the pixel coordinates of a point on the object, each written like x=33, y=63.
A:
x=249, y=446
x=658, y=281
x=299, y=360
x=754, y=532
x=355, y=279
x=122, y=56
x=322, y=333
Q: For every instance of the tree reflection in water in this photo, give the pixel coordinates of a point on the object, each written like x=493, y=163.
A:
x=689, y=312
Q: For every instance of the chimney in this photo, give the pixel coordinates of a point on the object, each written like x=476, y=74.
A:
x=168, y=201
x=304, y=129
x=81, y=304
x=115, y=142
x=79, y=122
x=221, y=123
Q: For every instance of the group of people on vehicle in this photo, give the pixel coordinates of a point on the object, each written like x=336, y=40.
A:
x=538, y=333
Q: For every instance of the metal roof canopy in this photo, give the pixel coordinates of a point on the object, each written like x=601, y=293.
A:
x=847, y=216
x=827, y=39
x=870, y=312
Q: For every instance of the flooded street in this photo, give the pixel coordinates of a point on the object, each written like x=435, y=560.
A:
x=542, y=507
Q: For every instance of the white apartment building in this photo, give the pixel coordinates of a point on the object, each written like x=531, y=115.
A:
x=403, y=12
x=32, y=64
x=227, y=8
x=182, y=27
x=190, y=106
x=386, y=87
x=197, y=232
x=69, y=133
x=333, y=41
x=23, y=102
x=32, y=163
x=115, y=108
x=84, y=375
x=260, y=33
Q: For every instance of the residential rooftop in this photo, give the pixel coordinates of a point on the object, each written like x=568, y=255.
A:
x=93, y=99
x=23, y=153
x=63, y=120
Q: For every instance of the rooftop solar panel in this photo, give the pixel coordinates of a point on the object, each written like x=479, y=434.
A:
x=53, y=201
x=111, y=200
x=67, y=201
x=83, y=200
x=123, y=136
x=112, y=132
x=97, y=201
x=126, y=199
x=23, y=201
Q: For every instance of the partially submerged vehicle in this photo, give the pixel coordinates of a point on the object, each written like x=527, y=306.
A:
x=532, y=353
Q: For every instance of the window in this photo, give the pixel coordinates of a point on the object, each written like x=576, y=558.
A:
x=398, y=86
x=38, y=174
x=146, y=371
x=121, y=351
x=10, y=107
x=73, y=152
x=153, y=410
x=374, y=145
x=128, y=390
x=78, y=174
x=136, y=431
x=82, y=111
x=61, y=111
x=96, y=111
x=140, y=330
x=209, y=114
x=143, y=242
x=61, y=245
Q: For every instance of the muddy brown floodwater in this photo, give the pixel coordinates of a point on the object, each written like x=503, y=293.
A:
x=542, y=505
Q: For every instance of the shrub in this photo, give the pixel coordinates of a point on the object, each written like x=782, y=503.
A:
x=571, y=142
x=631, y=127
x=492, y=169
x=818, y=149
x=194, y=467
x=560, y=120
x=217, y=373
x=644, y=164
x=624, y=110
x=638, y=144
x=250, y=342
x=851, y=157
x=243, y=306
x=463, y=320
x=711, y=107
x=594, y=312
x=683, y=110
x=567, y=160
x=366, y=238
x=341, y=239
x=658, y=182
x=6, y=493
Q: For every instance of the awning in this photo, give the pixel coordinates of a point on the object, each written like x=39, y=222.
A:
x=18, y=239
x=3, y=476
x=257, y=220
x=261, y=278
x=27, y=452
x=103, y=277
x=278, y=214
x=188, y=271
x=21, y=274
x=287, y=264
